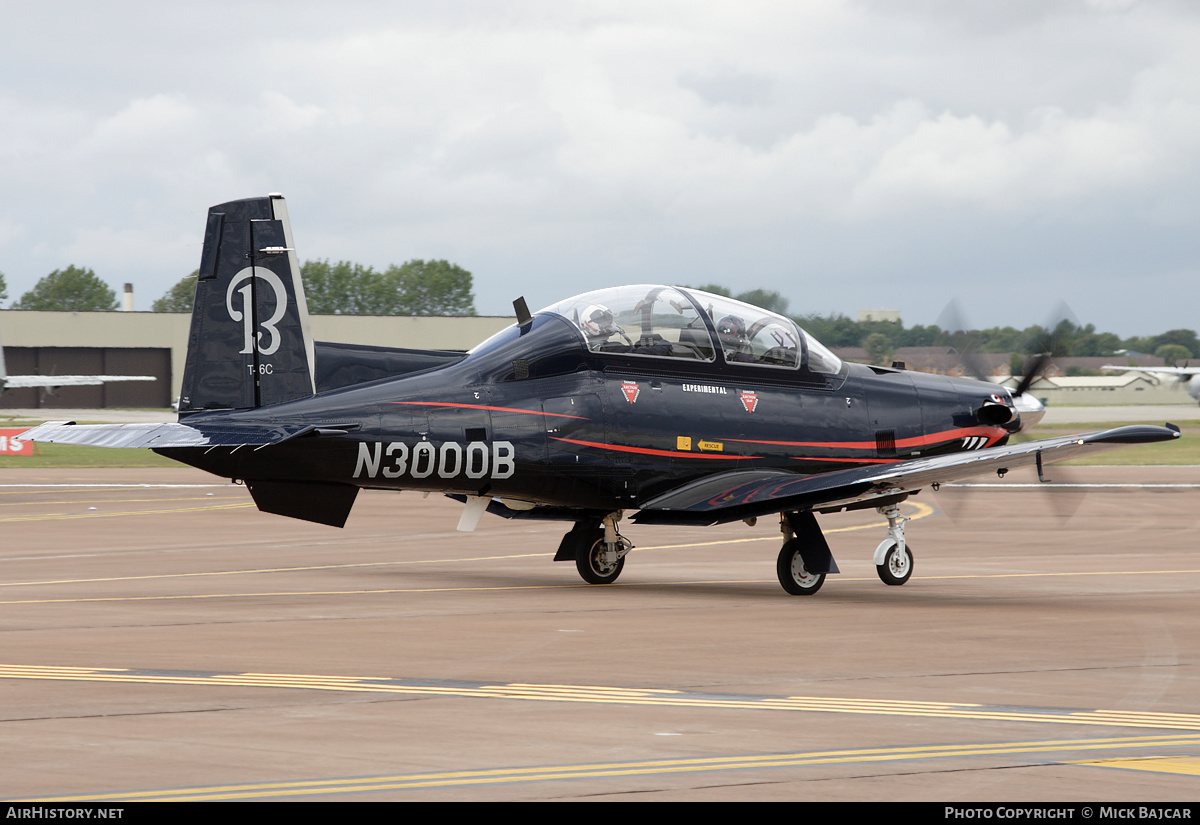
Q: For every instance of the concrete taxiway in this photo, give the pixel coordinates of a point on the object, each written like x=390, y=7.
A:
x=170, y=642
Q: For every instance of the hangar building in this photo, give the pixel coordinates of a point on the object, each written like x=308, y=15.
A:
x=155, y=343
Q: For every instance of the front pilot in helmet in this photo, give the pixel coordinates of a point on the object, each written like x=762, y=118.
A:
x=597, y=322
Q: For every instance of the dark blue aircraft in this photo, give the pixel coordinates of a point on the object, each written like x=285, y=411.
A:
x=675, y=405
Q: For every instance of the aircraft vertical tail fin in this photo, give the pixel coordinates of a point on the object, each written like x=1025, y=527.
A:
x=250, y=343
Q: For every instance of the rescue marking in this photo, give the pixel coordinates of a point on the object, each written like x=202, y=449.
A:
x=619, y=448
x=749, y=400
x=631, y=390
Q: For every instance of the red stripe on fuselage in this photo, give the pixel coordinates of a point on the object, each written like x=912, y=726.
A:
x=993, y=434
x=485, y=407
x=845, y=460
x=948, y=435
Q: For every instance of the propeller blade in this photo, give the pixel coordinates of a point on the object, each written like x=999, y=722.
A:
x=1064, y=495
x=1050, y=342
x=964, y=339
x=955, y=501
x=1031, y=372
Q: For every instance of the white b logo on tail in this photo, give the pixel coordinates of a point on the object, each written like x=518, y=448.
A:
x=246, y=314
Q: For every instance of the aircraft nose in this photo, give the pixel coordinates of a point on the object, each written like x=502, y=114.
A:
x=1030, y=409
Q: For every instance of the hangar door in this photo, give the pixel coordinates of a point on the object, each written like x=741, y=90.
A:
x=90, y=361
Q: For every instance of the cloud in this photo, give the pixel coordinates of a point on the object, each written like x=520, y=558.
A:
x=558, y=144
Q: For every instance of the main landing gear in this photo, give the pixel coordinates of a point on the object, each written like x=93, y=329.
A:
x=599, y=551
x=793, y=575
x=805, y=559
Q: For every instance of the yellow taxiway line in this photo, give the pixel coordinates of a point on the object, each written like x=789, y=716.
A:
x=600, y=694
x=495, y=776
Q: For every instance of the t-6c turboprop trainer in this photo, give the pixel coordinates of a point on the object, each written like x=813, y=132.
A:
x=677, y=405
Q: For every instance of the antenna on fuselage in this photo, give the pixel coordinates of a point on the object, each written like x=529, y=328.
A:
x=524, y=318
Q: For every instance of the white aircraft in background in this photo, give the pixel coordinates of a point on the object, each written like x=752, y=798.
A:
x=1188, y=375
x=52, y=382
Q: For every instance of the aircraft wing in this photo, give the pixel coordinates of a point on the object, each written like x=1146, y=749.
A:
x=742, y=494
x=200, y=434
x=21, y=382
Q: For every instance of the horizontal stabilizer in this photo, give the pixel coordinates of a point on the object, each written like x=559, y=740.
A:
x=214, y=434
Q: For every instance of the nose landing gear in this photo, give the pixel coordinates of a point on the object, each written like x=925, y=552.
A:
x=893, y=559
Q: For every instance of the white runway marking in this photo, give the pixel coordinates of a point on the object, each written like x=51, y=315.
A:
x=1051, y=484
x=129, y=486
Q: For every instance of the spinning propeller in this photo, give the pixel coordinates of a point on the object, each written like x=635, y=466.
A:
x=1048, y=343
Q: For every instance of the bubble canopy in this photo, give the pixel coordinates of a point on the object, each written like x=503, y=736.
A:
x=677, y=322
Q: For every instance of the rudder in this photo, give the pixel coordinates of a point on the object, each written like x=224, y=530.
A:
x=250, y=343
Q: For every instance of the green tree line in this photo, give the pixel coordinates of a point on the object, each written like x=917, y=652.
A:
x=880, y=338
x=413, y=288
x=419, y=287
x=74, y=289
x=1065, y=339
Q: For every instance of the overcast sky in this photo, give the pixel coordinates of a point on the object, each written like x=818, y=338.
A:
x=851, y=154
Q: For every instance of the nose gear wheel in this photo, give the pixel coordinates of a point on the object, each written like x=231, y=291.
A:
x=897, y=566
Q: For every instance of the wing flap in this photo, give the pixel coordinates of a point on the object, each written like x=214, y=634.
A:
x=739, y=495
